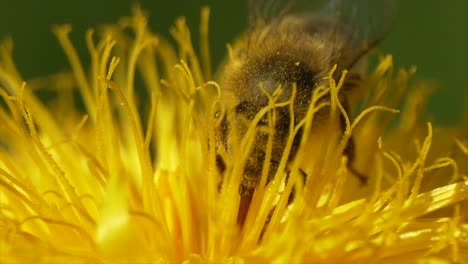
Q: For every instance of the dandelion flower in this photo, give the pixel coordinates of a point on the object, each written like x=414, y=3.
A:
x=130, y=174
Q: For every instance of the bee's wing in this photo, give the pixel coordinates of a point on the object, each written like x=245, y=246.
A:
x=364, y=22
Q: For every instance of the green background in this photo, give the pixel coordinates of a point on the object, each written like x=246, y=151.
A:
x=432, y=35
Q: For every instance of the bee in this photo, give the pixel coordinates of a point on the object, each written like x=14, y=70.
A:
x=294, y=44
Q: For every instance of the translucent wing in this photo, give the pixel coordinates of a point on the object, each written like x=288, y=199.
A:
x=367, y=22
x=364, y=22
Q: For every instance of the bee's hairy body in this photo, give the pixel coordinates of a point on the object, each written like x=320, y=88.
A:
x=294, y=50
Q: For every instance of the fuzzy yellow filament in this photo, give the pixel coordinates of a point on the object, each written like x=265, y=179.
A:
x=132, y=176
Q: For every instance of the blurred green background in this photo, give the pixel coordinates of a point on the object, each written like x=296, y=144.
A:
x=430, y=34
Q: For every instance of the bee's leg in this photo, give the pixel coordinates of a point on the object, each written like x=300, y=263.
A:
x=248, y=184
x=274, y=165
x=244, y=206
x=267, y=222
x=290, y=200
x=293, y=191
x=221, y=166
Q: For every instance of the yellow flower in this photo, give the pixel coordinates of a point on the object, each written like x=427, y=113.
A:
x=131, y=176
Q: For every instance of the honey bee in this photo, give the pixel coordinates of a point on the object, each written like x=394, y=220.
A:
x=294, y=43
